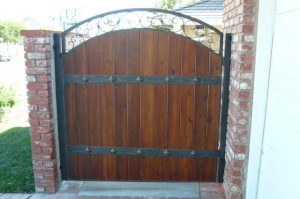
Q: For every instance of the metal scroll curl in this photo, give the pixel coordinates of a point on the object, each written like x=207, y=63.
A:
x=143, y=18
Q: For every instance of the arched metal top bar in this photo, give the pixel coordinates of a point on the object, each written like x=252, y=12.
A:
x=139, y=18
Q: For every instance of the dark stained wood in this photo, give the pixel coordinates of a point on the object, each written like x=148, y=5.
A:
x=94, y=109
x=161, y=46
x=212, y=117
x=200, y=111
x=187, y=107
x=82, y=128
x=174, y=97
x=147, y=103
x=145, y=115
x=70, y=114
x=69, y=63
x=133, y=101
x=107, y=101
x=120, y=103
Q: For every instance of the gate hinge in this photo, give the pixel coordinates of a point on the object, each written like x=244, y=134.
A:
x=61, y=167
x=55, y=46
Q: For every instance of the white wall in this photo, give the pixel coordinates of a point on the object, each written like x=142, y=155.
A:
x=264, y=40
x=279, y=171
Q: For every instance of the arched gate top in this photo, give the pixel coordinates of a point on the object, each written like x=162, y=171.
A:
x=143, y=18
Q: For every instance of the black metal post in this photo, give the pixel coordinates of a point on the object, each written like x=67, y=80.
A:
x=221, y=45
x=224, y=103
x=60, y=100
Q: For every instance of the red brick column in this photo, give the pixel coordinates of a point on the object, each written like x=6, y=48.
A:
x=37, y=46
x=239, y=19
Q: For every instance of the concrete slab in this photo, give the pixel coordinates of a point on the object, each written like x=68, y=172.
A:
x=51, y=196
x=8, y=195
x=5, y=196
x=21, y=196
x=70, y=187
x=139, y=189
x=42, y=195
x=14, y=196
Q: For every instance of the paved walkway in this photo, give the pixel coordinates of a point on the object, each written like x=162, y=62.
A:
x=127, y=190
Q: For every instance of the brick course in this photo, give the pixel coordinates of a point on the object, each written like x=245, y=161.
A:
x=239, y=19
x=37, y=54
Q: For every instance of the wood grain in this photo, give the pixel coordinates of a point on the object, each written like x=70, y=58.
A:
x=212, y=117
x=177, y=116
x=187, y=107
x=200, y=111
x=81, y=99
x=148, y=164
x=107, y=106
x=94, y=107
x=133, y=101
x=71, y=115
x=120, y=103
x=174, y=105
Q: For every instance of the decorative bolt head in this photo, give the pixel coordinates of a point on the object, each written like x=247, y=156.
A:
x=193, y=152
x=139, y=78
x=87, y=149
x=166, y=152
x=139, y=151
x=113, y=150
x=112, y=79
x=85, y=79
x=196, y=80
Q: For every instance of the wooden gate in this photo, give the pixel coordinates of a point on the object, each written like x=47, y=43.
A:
x=139, y=104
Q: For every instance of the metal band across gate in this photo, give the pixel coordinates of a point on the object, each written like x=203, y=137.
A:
x=143, y=151
x=142, y=101
x=137, y=79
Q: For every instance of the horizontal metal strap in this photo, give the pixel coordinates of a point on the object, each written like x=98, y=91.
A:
x=143, y=151
x=136, y=79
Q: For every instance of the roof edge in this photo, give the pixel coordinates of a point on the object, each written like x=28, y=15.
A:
x=189, y=5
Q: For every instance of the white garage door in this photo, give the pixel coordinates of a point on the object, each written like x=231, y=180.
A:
x=280, y=164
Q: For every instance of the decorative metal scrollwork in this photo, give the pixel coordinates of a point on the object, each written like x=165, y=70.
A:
x=143, y=18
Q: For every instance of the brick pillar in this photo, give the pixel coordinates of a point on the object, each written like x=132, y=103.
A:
x=38, y=70
x=239, y=19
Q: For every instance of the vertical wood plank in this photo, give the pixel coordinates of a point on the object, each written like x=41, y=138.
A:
x=80, y=65
x=212, y=117
x=71, y=117
x=120, y=103
x=93, y=67
x=187, y=107
x=68, y=61
x=201, y=96
x=107, y=106
x=161, y=46
x=133, y=101
x=147, y=102
x=174, y=95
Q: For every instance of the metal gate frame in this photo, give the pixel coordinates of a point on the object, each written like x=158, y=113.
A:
x=79, y=36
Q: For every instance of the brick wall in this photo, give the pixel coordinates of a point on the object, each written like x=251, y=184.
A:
x=239, y=19
x=38, y=70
